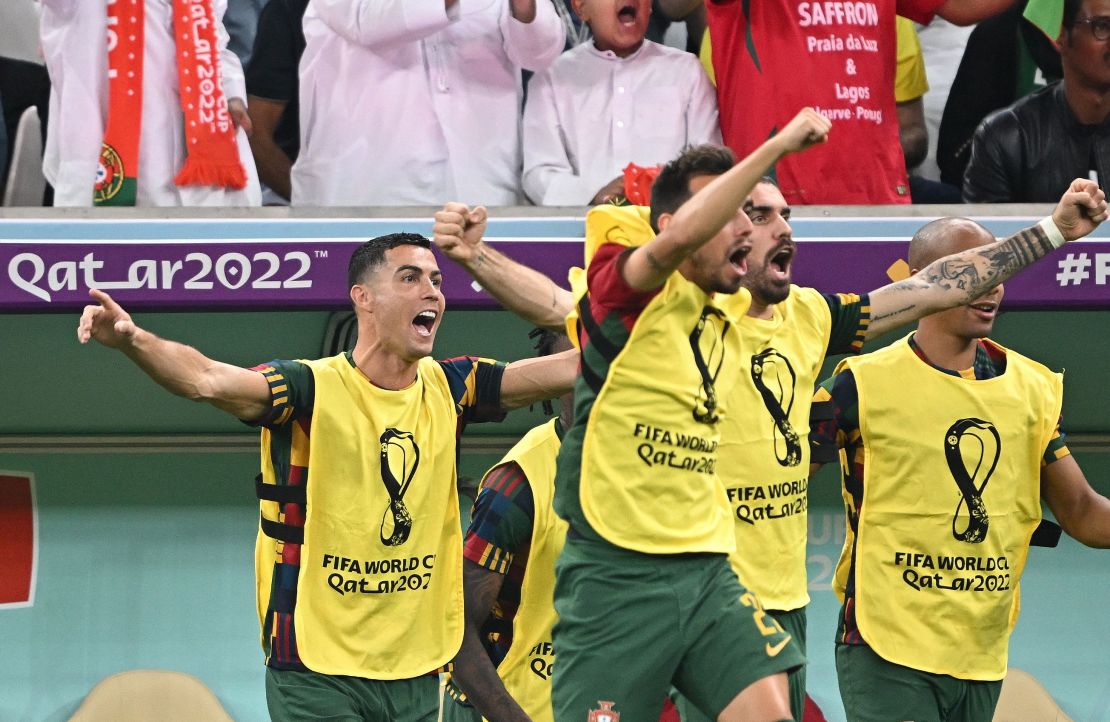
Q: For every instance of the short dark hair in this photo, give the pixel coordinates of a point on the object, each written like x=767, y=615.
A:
x=672, y=186
x=1071, y=11
x=544, y=341
x=371, y=254
x=545, y=344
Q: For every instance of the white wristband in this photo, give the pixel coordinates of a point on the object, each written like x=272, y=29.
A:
x=1055, y=237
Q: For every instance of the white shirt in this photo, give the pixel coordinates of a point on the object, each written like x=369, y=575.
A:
x=593, y=113
x=74, y=43
x=406, y=103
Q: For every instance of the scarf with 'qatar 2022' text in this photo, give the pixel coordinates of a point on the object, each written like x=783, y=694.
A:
x=212, y=153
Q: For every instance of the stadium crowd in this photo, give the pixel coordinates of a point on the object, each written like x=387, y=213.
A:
x=546, y=102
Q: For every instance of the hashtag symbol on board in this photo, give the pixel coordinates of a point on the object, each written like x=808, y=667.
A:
x=1074, y=269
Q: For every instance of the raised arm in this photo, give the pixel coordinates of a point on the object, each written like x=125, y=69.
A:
x=678, y=9
x=533, y=35
x=1082, y=512
x=473, y=671
x=963, y=277
x=969, y=12
x=180, y=369
x=526, y=292
x=707, y=212
x=538, y=379
x=383, y=22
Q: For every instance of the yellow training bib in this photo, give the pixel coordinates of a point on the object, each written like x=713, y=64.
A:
x=649, y=456
x=764, y=453
x=529, y=663
x=380, y=578
x=951, y=496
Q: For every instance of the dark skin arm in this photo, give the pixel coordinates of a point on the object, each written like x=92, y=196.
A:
x=274, y=166
x=1082, y=512
x=912, y=133
x=678, y=9
x=969, y=12
x=612, y=190
x=474, y=672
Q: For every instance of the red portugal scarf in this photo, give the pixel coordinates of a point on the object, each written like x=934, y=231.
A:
x=212, y=153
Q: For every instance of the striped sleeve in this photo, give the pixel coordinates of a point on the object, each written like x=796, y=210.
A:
x=834, y=417
x=476, y=387
x=292, y=392
x=851, y=316
x=1057, y=448
x=501, y=523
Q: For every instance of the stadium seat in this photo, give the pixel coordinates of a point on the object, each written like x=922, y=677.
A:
x=26, y=183
x=150, y=694
x=1024, y=699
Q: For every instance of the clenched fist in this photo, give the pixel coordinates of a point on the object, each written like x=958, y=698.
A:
x=458, y=232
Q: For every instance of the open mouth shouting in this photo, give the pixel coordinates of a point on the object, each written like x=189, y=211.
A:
x=779, y=263
x=425, y=322
x=738, y=259
x=626, y=14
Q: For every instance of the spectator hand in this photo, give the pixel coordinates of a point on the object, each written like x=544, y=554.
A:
x=807, y=128
x=106, y=322
x=611, y=191
x=1080, y=210
x=237, y=109
x=458, y=232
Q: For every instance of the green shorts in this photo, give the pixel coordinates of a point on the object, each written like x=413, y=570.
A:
x=303, y=696
x=457, y=712
x=875, y=690
x=794, y=623
x=632, y=624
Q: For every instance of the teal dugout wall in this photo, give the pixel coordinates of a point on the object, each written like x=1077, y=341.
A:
x=146, y=517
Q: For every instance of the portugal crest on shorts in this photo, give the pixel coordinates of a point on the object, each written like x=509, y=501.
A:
x=109, y=175
x=604, y=714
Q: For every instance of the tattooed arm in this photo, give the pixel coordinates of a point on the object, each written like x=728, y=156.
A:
x=474, y=672
x=962, y=277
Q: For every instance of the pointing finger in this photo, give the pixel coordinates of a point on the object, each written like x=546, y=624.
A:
x=105, y=300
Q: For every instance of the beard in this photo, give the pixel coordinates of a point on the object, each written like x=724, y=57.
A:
x=764, y=288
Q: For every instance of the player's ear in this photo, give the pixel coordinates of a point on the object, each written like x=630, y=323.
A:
x=362, y=298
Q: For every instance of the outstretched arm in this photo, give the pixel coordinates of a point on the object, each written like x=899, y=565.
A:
x=538, y=379
x=180, y=369
x=963, y=277
x=473, y=670
x=1082, y=512
x=707, y=212
x=458, y=232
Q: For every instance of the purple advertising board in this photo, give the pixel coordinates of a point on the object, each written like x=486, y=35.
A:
x=48, y=266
